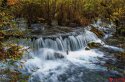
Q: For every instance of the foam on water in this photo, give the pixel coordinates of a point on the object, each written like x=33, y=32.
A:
x=41, y=67
x=58, y=56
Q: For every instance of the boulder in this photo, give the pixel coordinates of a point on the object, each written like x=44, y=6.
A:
x=54, y=23
x=87, y=48
x=98, y=32
x=94, y=45
x=55, y=55
x=37, y=28
x=58, y=55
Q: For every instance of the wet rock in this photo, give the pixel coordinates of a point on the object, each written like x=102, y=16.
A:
x=112, y=49
x=54, y=23
x=55, y=55
x=87, y=48
x=58, y=55
x=94, y=45
x=73, y=25
x=37, y=28
x=98, y=32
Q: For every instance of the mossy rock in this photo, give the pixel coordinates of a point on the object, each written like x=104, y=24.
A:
x=97, y=32
x=94, y=45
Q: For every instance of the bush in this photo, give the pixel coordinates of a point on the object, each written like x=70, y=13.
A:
x=45, y=11
x=6, y=24
x=80, y=12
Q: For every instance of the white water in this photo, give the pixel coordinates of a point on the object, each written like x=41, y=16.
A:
x=41, y=66
x=70, y=43
x=50, y=61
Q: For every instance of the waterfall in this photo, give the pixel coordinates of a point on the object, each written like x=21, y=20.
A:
x=71, y=43
x=50, y=62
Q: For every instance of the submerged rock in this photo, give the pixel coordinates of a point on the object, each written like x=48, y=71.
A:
x=55, y=55
x=58, y=55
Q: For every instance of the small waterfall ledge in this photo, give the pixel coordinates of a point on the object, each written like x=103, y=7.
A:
x=70, y=42
x=50, y=62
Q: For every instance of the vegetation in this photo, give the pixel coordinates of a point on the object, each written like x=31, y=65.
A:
x=65, y=12
x=8, y=28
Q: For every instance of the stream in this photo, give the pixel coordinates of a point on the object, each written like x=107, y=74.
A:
x=66, y=59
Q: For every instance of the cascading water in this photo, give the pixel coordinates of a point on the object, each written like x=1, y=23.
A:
x=64, y=59
x=50, y=61
x=70, y=43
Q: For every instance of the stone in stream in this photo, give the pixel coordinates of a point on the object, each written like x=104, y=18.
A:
x=55, y=55
x=87, y=48
x=98, y=32
x=54, y=23
x=94, y=45
x=58, y=55
x=37, y=28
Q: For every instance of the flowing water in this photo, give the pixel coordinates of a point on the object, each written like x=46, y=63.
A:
x=65, y=59
x=70, y=43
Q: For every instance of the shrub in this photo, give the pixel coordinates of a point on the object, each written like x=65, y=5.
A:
x=81, y=12
x=45, y=11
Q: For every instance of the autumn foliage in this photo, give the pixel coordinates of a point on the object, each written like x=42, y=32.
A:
x=81, y=12
x=12, y=2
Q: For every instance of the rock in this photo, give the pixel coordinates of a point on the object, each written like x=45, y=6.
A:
x=97, y=31
x=73, y=25
x=37, y=28
x=87, y=48
x=54, y=23
x=58, y=55
x=94, y=45
x=55, y=55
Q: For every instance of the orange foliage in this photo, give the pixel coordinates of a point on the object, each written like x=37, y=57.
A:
x=12, y=2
